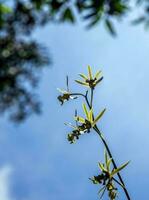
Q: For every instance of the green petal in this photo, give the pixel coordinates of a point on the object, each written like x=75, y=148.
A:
x=90, y=72
x=79, y=119
x=83, y=76
x=91, y=115
x=108, y=164
x=99, y=80
x=62, y=91
x=98, y=117
x=70, y=125
x=101, y=166
x=82, y=83
x=115, y=171
x=85, y=111
x=97, y=74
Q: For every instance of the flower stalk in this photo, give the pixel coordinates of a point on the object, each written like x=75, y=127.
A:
x=86, y=124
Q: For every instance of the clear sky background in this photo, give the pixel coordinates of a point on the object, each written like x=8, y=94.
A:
x=37, y=162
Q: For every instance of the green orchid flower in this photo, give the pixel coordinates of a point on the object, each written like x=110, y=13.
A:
x=66, y=95
x=90, y=80
x=89, y=120
x=85, y=124
x=77, y=131
x=107, y=179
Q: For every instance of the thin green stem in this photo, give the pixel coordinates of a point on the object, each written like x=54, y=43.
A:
x=84, y=96
x=77, y=94
x=108, y=150
x=113, y=161
x=92, y=92
x=103, y=140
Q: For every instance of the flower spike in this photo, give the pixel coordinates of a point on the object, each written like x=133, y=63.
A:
x=106, y=177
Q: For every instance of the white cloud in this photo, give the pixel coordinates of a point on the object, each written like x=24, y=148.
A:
x=5, y=173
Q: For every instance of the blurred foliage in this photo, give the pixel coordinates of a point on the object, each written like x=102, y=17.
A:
x=106, y=178
x=21, y=61
x=23, y=58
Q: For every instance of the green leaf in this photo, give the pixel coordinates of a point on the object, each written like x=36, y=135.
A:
x=90, y=15
x=38, y=4
x=5, y=9
x=85, y=111
x=83, y=76
x=68, y=15
x=115, y=171
x=94, y=21
x=110, y=27
x=90, y=72
x=138, y=20
x=98, y=117
x=82, y=83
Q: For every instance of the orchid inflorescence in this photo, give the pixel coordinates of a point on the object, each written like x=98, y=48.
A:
x=85, y=124
x=88, y=123
x=66, y=95
x=106, y=177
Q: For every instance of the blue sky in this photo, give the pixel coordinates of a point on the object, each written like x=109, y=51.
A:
x=37, y=162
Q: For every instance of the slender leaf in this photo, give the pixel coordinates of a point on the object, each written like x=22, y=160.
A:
x=110, y=27
x=138, y=20
x=94, y=21
x=68, y=16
